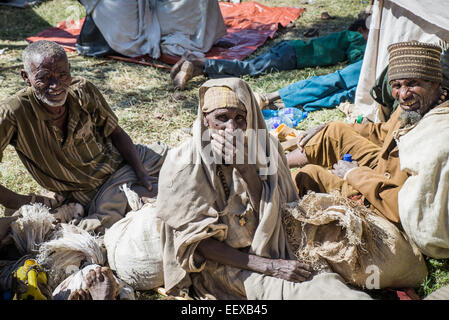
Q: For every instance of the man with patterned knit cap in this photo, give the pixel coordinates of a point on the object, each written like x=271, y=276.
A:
x=375, y=173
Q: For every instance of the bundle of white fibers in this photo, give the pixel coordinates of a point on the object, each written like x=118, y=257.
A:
x=67, y=251
x=32, y=228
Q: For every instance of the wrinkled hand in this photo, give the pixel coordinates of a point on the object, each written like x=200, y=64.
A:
x=147, y=181
x=307, y=135
x=290, y=270
x=341, y=167
x=223, y=144
x=48, y=202
x=69, y=213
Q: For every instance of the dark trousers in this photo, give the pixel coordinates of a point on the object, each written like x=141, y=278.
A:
x=280, y=57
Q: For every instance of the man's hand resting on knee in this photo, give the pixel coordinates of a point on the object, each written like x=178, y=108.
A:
x=309, y=134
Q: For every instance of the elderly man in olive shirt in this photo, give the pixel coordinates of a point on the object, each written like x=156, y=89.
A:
x=69, y=140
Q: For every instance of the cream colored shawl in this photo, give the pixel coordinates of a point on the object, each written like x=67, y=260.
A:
x=190, y=205
x=424, y=197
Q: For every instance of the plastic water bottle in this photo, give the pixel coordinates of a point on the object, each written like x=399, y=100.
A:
x=273, y=123
x=289, y=116
x=268, y=116
x=294, y=114
x=271, y=118
x=268, y=113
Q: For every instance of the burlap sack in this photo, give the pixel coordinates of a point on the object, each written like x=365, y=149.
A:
x=330, y=231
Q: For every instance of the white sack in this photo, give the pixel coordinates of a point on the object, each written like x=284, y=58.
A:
x=134, y=249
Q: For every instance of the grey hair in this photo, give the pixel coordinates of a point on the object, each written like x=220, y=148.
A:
x=41, y=48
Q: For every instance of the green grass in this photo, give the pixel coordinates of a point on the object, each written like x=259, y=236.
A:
x=149, y=108
x=438, y=276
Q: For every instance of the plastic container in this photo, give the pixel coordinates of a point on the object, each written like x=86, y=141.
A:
x=347, y=157
x=268, y=113
x=294, y=114
x=289, y=116
x=274, y=122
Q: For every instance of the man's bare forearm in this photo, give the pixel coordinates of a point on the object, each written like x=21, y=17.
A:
x=290, y=270
x=220, y=252
x=127, y=149
x=12, y=200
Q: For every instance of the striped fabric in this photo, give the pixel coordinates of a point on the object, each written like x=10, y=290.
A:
x=220, y=97
x=74, y=167
x=415, y=60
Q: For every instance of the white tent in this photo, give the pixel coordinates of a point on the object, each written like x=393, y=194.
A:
x=396, y=21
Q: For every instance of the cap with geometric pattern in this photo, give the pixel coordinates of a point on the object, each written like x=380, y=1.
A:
x=416, y=60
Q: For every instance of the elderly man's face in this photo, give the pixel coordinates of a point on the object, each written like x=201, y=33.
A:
x=415, y=94
x=50, y=77
x=226, y=118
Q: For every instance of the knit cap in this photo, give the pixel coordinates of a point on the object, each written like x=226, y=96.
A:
x=416, y=60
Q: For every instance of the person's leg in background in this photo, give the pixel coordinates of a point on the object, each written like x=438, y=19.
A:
x=280, y=57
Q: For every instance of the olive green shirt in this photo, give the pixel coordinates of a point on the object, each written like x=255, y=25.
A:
x=74, y=167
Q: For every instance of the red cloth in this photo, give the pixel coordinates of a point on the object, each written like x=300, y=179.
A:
x=65, y=33
x=249, y=25
x=405, y=294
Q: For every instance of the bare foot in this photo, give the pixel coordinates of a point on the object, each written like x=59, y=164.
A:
x=176, y=67
x=80, y=294
x=277, y=105
x=273, y=96
x=184, y=75
x=326, y=16
x=198, y=66
x=101, y=284
x=296, y=158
